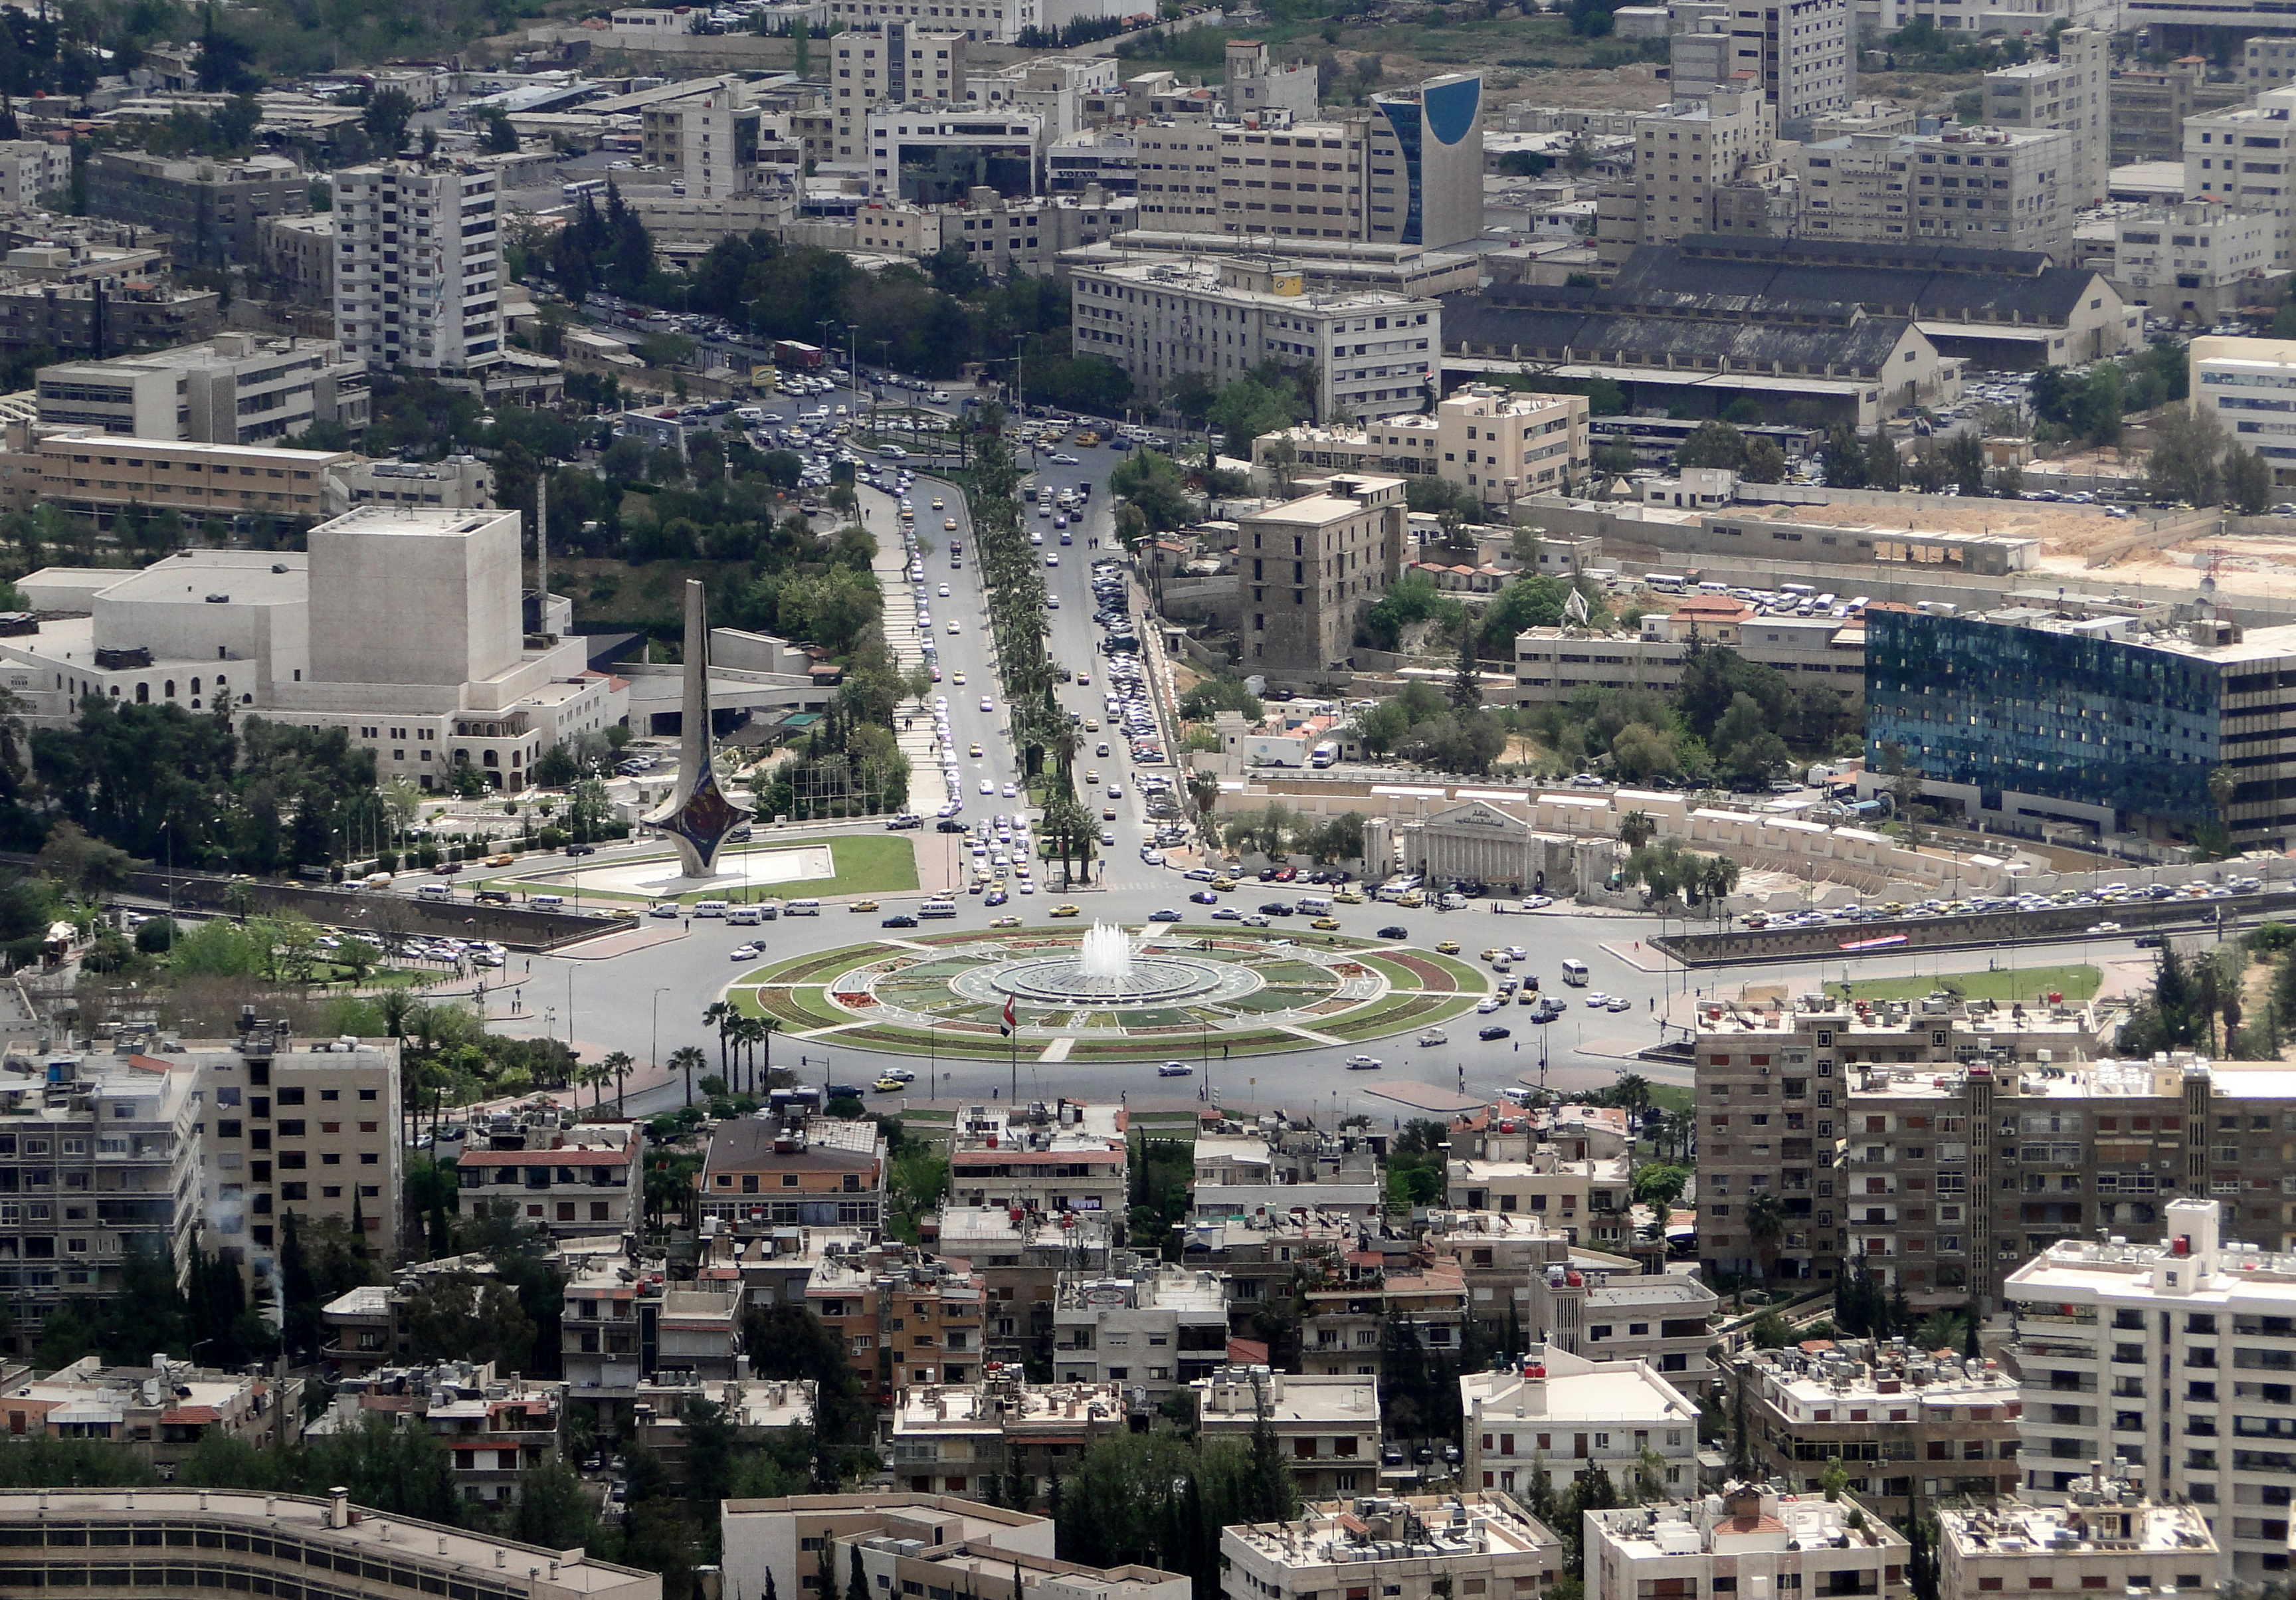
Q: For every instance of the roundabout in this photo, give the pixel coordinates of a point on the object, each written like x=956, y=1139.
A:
x=1106, y=993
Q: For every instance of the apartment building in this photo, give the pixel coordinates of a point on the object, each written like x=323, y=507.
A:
x=983, y=1438
x=211, y=210
x=1045, y=1160
x=1564, y=1415
x=235, y=389
x=1500, y=1255
x=72, y=1537
x=97, y=319
x=1280, y=1168
x=30, y=168
x=1310, y=566
x=2189, y=263
x=894, y=63
x=418, y=267
x=571, y=1180
x=1148, y=1327
x=298, y=254
x=904, y=1317
x=1799, y=56
x=1425, y=1545
x=1685, y=154
x=1019, y=1261
x=1909, y=1427
x=97, y=475
x=2148, y=107
x=161, y=1413
x=1552, y=664
x=1354, y=1303
x=1179, y=161
x=494, y=1427
x=1518, y=1172
x=2074, y=93
x=2113, y=1537
x=1326, y=1428
x=2241, y=381
x=1609, y=1308
x=1500, y=443
x=1751, y=1534
x=1989, y=188
x=2188, y=694
x=780, y=1543
x=609, y=1327
x=2131, y=1356
x=2239, y=156
x=1005, y=236
x=791, y=1170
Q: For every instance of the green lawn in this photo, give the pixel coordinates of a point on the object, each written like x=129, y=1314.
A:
x=866, y=864
x=2027, y=984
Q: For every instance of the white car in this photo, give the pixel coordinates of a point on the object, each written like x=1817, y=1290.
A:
x=1063, y=459
x=745, y=952
x=1362, y=1063
x=944, y=591
x=987, y=704
x=1488, y=1004
x=987, y=787
x=956, y=627
x=1009, y=791
x=1434, y=1036
x=1597, y=1000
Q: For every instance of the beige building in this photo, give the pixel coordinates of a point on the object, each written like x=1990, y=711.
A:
x=894, y=63
x=159, y=1413
x=1311, y=566
x=1552, y=664
x=418, y=267
x=95, y=474
x=1583, y=1200
x=779, y=1542
x=1147, y=1326
x=1564, y=1414
x=272, y=1541
x=299, y=254
x=1179, y=159
x=2073, y=92
x=30, y=168
x=2239, y=157
x=570, y=1180
x=975, y=1439
x=2116, y=1540
x=1502, y=444
x=1044, y=1159
x=1423, y=1547
x=1327, y=1428
x=235, y=389
x=1753, y=1535
x=2188, y=263
x=1002, y=236
x=1685, y=153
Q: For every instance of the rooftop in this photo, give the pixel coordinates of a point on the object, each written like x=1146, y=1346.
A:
x=2115, y=1522
x=1561, y=1387
x=1238, y=1394
x=1006, y=1405
x=1744, y=1520
x=1425, y=1527
x=1817, y=1381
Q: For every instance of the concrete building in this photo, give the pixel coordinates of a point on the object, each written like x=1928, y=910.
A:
x=1045, y=1160
x=212, y=210
x=418, y=267
x=2235, y=156
x=2097, y=1324
x=459, y=482
x=2074, y=93
x=1769, y=1541
x=1179, y=161
x=299, y=252
x=2186, y=694
x=1005, y=236
x=706, y=136
x=780, y=1541
x=375, y=1556
x=927, y=152
x=30, y=168
x=2113, y=1536
x=1919, y=188
x=1799, y=56
x=1552, y=664
x=1608, y=1309
x=792, y=1169
x=1685, y=155
x=2269, y=61
x=1327, y=1428
x=235, y=389
x=1019, y=1261
x=1501, y=443
x=2148, y=106
x=1105, y=158
x=569, y=1179
x=1310, y=567
x=1562, y=1414
x=98, y=319
x=1372, y=353
x=976, y=1438
x=1519, y=1173
x=159, y=1414
x=97, y=475
x=493, y=1427
x=1148, y=1327
x=1356, y=1302
x=1279, y=1168
x=1430, y=138
x=2191, y=263
x=1909, y=1428
x=1423, y=1545
x=895, y=62
x=2239, y=380
x=1256, y=86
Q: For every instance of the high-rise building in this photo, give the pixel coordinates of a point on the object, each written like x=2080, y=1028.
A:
x=707, y=139
x=418, y=267
x=2238, y=156
x=1429, y=140
x=2241, y=381
x=1800, y=55
x=2162, y=1362
x=2073, y=92
x=1256, y=86
x=1685, y=153
x=897, y=63
x=2147, y=110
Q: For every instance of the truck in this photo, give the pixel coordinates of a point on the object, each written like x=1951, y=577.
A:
x=806, y=357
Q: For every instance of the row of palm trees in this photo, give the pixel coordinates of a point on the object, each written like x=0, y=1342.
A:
x=739, y=1035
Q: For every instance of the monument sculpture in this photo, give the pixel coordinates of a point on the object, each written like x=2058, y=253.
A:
x=697, y=814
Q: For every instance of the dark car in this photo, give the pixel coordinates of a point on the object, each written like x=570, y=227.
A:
x=844, y=1091
x=1204, y=897
x=2150, y=941
x=898, y=922
x=1395, y=933
x=448, y=869
x=951, y=825
x=581, y=849
x=1495, y=1032
x=1275, y=908
x=1267, y=874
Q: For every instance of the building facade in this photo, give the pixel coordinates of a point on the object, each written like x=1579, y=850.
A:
x=418, y=267
x=1752, y=1535
x=1564, y=1415
x=212, y=210
x=2074, y=94
x=235, y=389
x=1311, y=566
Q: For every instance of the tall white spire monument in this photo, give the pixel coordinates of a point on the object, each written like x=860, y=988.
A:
x=697, y=814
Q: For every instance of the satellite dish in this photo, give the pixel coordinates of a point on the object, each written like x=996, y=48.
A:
x=1574, y=610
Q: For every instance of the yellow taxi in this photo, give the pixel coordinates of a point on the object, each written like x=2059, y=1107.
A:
x=1448, y=947
x=1325, y=924
x=1222, y=885
x=1006, y=922
x=1347, y=897
x=1064, y=910
x=935, y=501
x=1493, y=954
x=861, y=906
x=1410, y=899
x=948, y=524
x=976, y=747
x=499, y=859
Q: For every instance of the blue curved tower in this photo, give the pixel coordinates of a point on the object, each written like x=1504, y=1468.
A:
x=1431, y=139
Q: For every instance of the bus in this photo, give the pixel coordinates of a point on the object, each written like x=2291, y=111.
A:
x=807, y=357
x=588, y=185
x=1666, y=583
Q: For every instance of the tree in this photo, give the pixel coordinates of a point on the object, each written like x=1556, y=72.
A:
x=1659, y=1184
x=1881, y=461
x=1636, y=829
x=1713, y=445
x=2247, y=480
x=385, y=119
x=1766, y=1224
x=1151, y=482
x=1466, y=679
x=1964, y=458
x=1844, y=454
x=688, y=1060
x=2187, y=449
x=1765, y=461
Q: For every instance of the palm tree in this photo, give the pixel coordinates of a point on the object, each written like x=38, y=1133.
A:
x=767, y=1028
x=592, y=1075
x=720, y=1016
x=1636, y=829
x=687, y=1057
x=744, y=1031
x=618, y=1067
x=1766, y=1221
x=1631, y=1093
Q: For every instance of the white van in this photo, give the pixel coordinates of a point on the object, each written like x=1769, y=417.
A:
x=547, y=901
x=1314, y=904
x=435, y=891
x=937, y=908
x=1574, y=973
x=742, y=916
x=802, y=909
x=708, y=907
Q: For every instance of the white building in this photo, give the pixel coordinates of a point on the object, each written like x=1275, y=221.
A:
x=1327, y=1426
x=418, y=267
x=1564, y=1414
x=30, y=168
x=1502, y=444
x=891, y=64
x=2072, y=92
x=2116, y=1540
x=1799, y=54
x=1685, y=153
x=1373, y=354
x=1423, y=1548
x=2158, y=1359
x=2184, y=263
x=235, y=389
x=1988, y=187
x=1148, y=1327
x=1764, y=1543
x=402, y=625
x=936, y=154
x=2238, y=157
x=2244, y=381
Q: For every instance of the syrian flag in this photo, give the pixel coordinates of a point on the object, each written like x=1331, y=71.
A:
x=1006, y=1026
